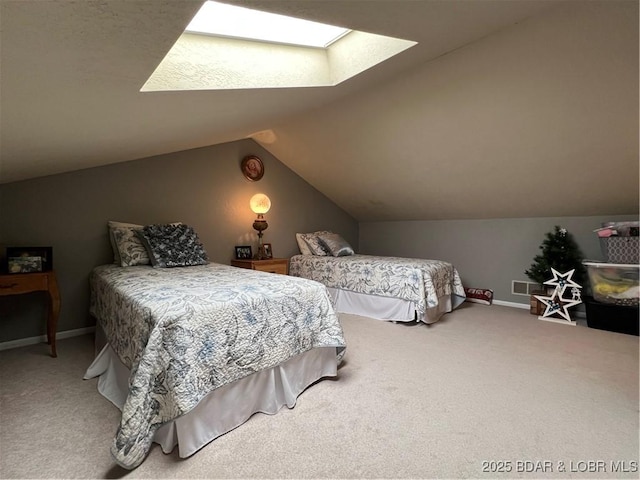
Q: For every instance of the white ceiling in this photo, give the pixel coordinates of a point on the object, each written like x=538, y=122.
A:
x=382, y=145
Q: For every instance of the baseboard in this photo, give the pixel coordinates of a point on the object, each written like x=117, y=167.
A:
x=525, y=306
x=23, y=342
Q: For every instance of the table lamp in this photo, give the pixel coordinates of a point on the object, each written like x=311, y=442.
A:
x=260, y=204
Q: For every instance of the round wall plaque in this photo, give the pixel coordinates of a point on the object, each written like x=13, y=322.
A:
x=252, y=168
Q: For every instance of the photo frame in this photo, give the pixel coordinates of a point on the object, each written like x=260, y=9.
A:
x=29, y=259
x=243, y=252
x=266, y=251
x=252, y=168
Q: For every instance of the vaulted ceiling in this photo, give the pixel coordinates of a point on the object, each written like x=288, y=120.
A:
x=503, y=109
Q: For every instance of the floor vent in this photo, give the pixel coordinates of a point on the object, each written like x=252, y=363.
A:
x=519, y=287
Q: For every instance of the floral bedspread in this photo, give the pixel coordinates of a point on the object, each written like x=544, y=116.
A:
x=417, y=280
x=186, y=331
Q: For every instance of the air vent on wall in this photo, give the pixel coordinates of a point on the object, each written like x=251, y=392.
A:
x=519, y=287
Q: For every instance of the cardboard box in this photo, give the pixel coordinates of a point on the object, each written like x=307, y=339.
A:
x=536, y=307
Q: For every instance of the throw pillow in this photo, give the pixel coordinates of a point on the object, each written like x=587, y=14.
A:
x=110, y=226
x=129, y=247
x=173, y=245
x=313, y=243
x=335, y=244
x=302, y=244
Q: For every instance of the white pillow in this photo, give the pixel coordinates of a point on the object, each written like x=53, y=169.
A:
x=309, y=244
x=302, y=245
x=111, y=225
x=130, y=248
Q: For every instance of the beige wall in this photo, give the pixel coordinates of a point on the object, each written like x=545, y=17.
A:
x=202, y=187
x=205, y=188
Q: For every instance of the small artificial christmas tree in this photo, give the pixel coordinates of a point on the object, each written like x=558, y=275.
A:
x=560, y=251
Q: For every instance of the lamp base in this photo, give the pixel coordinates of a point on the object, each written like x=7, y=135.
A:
x=260, y=225
x=260, y=253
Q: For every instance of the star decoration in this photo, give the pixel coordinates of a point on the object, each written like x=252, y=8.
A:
x=555, y=304
x=562, y=280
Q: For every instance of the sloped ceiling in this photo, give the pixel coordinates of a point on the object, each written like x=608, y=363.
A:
x=503, y=109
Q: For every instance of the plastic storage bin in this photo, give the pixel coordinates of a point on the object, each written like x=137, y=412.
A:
x=614, y=283
x=614, y=318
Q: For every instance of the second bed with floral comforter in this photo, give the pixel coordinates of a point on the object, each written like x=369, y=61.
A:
x=420, y=281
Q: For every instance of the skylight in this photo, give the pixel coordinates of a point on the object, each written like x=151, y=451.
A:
x=237, y=22
x=227, y=47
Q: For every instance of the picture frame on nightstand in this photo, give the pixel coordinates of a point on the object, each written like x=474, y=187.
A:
x=266, y=251
x=29, y=259
x=244, y=252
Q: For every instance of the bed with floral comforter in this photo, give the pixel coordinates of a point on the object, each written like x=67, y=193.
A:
x=425, y=284
x=184, y=332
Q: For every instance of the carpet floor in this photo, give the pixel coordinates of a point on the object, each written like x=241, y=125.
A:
x=487, y=392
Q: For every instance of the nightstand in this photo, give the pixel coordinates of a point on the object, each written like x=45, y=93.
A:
x=272, y=265
x=16, y=283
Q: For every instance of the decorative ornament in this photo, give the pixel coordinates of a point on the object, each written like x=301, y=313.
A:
x=562, y=280
x=555, y=303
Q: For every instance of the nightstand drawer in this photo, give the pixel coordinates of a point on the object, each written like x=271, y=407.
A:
x=273, y=268
x=17, y=283
x=23, y=283
x=271, y=265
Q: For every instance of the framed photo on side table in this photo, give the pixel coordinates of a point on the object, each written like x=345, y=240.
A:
x=266, y=250
x=29, y=259
x=243, y=252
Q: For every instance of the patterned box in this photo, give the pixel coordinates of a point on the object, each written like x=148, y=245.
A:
x=621, y=249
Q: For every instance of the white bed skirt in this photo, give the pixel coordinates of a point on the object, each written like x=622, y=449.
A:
x=387, y=308
x=227, y=407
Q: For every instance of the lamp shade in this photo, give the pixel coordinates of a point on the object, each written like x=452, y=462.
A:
x=260, y=203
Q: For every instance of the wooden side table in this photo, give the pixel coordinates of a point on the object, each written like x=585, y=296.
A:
x=272, y=265
x=16, y=283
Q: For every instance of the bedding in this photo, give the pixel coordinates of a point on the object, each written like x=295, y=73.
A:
x=111, y=225
x=184, y=333
x=387, y=288
x=128, y=251
x=302, y=244
x=172, y=245
x=127, y=243
x=309, y=243
x=335, y=245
